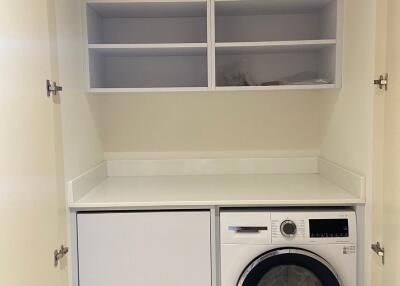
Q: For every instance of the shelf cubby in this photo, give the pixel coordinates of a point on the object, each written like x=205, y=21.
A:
x=274, y=20
x=266, y=65
x=132, y=22
x=277, y=44
x=148, y=66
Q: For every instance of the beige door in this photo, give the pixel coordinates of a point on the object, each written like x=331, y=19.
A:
x=31, y=199
x=387, y=147
x=391, y=170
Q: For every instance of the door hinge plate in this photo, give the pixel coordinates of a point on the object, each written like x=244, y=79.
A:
x=382, y=82
x=379, y=250
x=52, y=88
x=59, y=254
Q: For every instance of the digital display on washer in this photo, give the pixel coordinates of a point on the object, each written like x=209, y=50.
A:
x=329, y=228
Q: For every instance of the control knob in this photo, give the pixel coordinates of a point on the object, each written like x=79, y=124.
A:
x=288, y=228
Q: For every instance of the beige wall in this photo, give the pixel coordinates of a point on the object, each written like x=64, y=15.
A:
x=337, y=122
x=276, y=121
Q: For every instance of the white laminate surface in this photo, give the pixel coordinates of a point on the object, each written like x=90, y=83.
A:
x=144, y=248
x=216, y=190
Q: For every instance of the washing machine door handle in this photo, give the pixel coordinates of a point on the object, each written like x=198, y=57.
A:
x=247, y=228
x=287, y=251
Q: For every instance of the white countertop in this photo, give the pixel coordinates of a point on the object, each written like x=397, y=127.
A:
x=215, y=190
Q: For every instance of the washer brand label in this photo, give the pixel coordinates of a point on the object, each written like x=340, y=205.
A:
x=349, y=249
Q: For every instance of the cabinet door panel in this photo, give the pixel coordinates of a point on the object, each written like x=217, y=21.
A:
x=144, y=248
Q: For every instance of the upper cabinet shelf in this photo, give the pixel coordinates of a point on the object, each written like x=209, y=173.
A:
x=189, y=45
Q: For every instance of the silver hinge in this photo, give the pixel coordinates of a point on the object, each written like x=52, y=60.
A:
x=59, y=254
x=382, y=82
x=52, y=88
x=380, y=251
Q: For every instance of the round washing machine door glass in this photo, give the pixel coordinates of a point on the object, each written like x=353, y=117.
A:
x=289, y=267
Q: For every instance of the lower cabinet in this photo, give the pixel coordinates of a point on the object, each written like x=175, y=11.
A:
x=170, y=248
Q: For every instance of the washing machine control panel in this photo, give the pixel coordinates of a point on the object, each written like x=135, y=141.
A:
x=287, y=227
x=299, y=227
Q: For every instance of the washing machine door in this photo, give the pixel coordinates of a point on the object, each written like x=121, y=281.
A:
x=289, y=267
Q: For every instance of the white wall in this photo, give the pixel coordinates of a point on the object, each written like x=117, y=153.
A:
x=82, y=145
x=347, y=139
x=274, y=122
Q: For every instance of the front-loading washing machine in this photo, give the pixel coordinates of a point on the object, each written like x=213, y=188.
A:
x=297, y=247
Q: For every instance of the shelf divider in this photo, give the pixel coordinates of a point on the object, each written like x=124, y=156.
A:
x=266, y=46
x=184, y=49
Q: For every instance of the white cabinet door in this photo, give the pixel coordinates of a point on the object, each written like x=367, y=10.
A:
x=144, y=248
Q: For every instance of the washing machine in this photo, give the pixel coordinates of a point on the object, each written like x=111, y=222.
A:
x=288, y=247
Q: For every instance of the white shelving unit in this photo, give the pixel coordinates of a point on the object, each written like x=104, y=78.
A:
x=200, y=45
